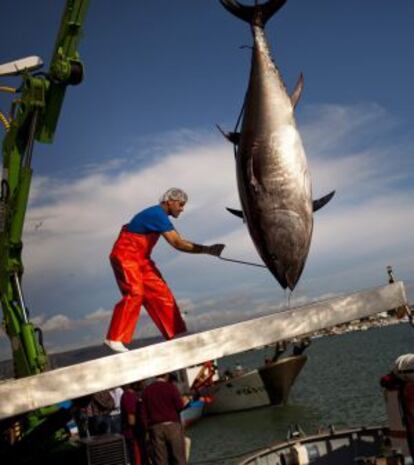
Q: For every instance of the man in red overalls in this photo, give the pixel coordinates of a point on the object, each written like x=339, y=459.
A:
x=138, y=278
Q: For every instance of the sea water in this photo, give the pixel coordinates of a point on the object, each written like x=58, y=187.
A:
x=338, y=386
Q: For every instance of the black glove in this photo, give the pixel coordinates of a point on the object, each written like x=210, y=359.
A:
x=214, y=249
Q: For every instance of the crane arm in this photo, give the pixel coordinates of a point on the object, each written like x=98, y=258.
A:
x=34, y=116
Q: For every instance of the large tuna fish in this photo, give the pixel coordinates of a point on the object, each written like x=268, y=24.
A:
x=272, y=173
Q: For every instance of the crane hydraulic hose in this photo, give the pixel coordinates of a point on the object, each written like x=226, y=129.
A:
x=5, y=121
x=10, y=90
x=3, y=118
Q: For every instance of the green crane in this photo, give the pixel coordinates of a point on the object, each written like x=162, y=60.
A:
x=33, y=117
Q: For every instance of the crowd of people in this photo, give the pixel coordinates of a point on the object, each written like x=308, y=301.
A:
x=147, y=415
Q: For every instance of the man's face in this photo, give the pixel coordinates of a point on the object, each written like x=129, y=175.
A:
x=175, y=207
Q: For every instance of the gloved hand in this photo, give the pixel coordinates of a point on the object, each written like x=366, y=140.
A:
x=214, y=249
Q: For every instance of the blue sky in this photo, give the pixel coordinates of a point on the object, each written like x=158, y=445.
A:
x=158, y=77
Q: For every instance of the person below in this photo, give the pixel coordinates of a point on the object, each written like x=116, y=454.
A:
x=161, y=407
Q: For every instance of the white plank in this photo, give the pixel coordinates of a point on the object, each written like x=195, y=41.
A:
x=26, y=394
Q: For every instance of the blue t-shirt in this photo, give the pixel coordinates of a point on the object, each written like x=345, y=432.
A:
x=150, y=220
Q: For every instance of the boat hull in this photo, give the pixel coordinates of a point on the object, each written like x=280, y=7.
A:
x=357, y=445
x=267, y=385
x=192, y=413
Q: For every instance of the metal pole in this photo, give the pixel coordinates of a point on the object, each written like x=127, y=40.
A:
x=242, y=262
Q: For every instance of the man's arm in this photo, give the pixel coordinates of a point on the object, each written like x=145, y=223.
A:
x=128, y=406
x=179, y=243
x=177, y=398
x=142, y=412
x=131, y=418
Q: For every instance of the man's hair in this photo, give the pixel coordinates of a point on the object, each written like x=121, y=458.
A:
x=174, y=194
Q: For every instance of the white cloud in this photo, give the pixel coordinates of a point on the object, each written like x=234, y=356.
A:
x=332, y=129
x=370, y=227
x=58, y=323
x=71, y=225
x=99, y=315
x=79, y=221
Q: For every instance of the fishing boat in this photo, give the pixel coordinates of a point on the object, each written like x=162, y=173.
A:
x=367, y=445
x=269, y=384
x=351, y=446
x=192, y=413
x=241, y=389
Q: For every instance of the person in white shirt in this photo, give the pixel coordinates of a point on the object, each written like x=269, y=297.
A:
x=115, y=414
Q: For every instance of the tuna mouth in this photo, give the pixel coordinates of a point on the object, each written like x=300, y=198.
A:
x=286, y=246
x=287, y=276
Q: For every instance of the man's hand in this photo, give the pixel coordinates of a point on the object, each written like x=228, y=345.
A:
x=174, y=239
x=214, y=249
x=186, y=399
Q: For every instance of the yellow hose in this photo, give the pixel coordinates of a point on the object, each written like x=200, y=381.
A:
x=11, y=90
x=5, y=121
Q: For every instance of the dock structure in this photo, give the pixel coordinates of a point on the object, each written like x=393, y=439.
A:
x=26, y=394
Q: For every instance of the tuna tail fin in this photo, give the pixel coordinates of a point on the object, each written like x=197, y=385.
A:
x=258, y=14
x=318, y=204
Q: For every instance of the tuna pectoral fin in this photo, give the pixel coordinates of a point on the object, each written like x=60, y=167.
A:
x=238, y=213
x=318, y=204
x=257, y=14
x=294, y=98
x=233, y=137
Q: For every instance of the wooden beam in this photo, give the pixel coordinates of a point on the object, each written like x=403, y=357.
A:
x=26, y=394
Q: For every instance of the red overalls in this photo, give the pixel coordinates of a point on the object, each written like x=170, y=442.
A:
x=140, y=282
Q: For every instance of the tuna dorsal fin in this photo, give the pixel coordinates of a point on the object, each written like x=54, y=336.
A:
x=233, y=137
x=297, y=92
x=235, y=212
x=318, y=204
x=258, y=14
